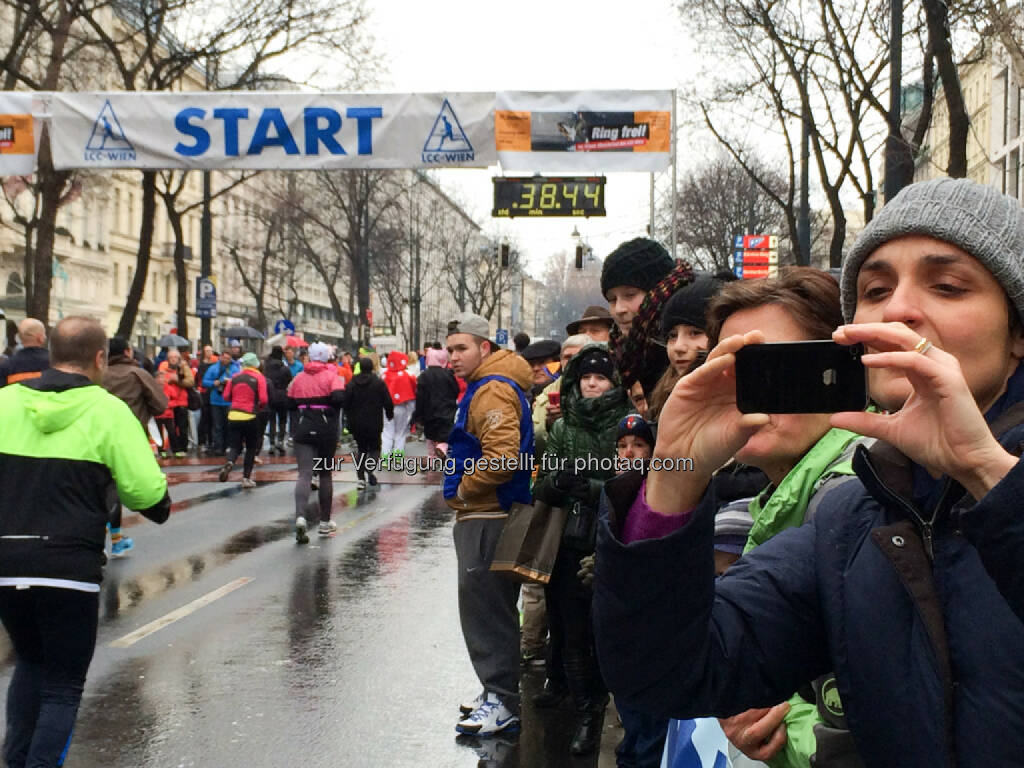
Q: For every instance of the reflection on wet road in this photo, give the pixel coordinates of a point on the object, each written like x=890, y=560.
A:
x=346, y=652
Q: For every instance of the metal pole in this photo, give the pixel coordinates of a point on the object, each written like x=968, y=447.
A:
x=803, y=256
x=206, y=238
x=674, y=145
x=650, y=225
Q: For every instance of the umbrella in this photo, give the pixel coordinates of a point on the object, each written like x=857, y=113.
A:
x=295, y=341
x=241, y=332
x=172, y=340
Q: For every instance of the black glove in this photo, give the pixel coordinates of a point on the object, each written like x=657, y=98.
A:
x=569, y=482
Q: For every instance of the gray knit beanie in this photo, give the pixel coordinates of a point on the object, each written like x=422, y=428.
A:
x=978, y=219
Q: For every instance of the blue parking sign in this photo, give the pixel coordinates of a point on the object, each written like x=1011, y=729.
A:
x=206, y=297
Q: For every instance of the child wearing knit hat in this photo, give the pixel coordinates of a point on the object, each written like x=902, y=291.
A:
x=683, y=324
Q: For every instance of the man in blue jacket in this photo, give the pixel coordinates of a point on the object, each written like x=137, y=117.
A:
x=216, y=378
x=907, y=582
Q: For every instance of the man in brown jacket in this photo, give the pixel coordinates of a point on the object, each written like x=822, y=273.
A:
x=145, y=396
x=490, y=447
x=126, y=380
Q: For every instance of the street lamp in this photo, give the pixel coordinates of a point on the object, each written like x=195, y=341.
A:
x=582, y=248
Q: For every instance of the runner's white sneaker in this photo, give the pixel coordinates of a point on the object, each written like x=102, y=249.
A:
x=300, y=531
x=328, y=528
x=489, y=718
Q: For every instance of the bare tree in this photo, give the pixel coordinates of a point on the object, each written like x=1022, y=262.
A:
x=340, y=216
x=37, y=49
x=720, y=199
x=171, y=185
x=159, y=43
x=829, y=62
x=567, y=292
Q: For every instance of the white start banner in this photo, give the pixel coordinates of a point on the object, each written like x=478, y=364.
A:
x=262, y=130
x=584, y=131
x=18, y=139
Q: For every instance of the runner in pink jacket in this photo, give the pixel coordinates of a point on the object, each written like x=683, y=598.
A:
x=316, y=393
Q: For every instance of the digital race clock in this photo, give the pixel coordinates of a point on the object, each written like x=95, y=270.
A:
x=548, y=196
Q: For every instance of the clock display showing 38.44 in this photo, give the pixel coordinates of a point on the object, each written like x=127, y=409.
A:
x=548, y=196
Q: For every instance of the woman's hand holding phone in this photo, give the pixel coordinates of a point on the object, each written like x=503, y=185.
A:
x=940, y=426
x=700, y=421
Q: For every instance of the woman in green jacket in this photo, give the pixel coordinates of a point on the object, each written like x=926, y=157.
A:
x=579, y=457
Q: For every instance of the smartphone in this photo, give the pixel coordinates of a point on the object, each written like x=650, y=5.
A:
x=800, y=377
x=554, y=398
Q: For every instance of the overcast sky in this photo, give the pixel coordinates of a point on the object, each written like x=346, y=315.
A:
x=464, y=45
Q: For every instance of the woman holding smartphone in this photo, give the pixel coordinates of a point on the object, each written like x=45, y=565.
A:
x=803, y=458
x=907, y=582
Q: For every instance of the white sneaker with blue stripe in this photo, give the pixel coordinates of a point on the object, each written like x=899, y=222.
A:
x=489, y=718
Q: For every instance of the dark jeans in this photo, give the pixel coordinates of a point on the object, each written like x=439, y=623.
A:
x=643, y=739
x=114, y=508
x=177, y=429
x=53, y=632
x=367, y=447
x=249, y=433
x=306, y=455
x=205, y=435
x=568, y=600
x=220, y=427
x=278, y=424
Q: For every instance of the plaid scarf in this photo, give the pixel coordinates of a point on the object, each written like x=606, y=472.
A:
x=631, y=352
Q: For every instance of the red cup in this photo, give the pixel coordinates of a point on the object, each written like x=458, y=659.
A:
x=555, y=398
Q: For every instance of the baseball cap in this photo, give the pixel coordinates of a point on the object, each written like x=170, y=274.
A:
x=467, y=322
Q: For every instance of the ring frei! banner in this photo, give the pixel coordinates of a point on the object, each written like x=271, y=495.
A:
x=262, y=130
x=17, y=134
x=584, y=131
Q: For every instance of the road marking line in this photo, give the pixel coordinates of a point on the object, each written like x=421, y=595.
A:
x=356, y=522
x=145, y=631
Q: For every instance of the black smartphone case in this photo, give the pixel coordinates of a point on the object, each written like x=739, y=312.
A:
x=800, y=377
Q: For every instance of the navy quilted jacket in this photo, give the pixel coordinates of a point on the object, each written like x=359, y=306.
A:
x=928, y=654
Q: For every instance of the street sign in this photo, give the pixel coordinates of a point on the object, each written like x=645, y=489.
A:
x=283, y=325
x=369, y=317
x=755, y=256
x=501, y=337
x=548, y=196
x=206, y=297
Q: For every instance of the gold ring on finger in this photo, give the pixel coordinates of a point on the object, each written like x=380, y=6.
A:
x=923, y=346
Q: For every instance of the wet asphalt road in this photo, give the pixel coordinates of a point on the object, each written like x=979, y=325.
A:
x=345, y=652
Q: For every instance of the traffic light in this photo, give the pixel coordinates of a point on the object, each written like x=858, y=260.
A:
x=579, y=257
x=504, y=255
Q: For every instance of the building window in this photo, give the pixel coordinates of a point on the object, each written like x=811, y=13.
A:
x=1002, y=174
x=15, y=285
